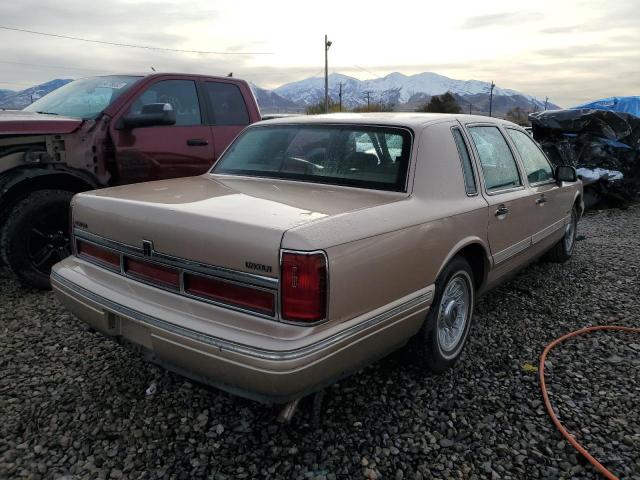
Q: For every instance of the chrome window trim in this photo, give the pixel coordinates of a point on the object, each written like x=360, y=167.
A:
x=301, y=323
x=410, y=160
x=473, y=173
x=504, y=190
x=542, y=183
x=226, y=345
x=230, y=276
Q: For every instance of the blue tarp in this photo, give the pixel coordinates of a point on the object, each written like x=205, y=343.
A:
x=615, y=104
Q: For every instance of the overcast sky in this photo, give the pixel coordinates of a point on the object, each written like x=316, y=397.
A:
x=572, y=51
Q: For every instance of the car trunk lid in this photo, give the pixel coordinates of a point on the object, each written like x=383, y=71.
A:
x=231, y=222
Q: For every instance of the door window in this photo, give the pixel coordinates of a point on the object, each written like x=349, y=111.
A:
x=536, y=165
x=467, y=169
x=180, y=94
x=498, y=165
x=228, y=104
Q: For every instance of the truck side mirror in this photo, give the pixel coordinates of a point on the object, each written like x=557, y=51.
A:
x=566, y=173
x=151, y=115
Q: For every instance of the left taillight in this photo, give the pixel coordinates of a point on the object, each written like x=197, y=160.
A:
x=101, y=255
x=303, y=288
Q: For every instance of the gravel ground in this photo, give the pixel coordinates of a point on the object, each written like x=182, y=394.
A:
x=74, y=406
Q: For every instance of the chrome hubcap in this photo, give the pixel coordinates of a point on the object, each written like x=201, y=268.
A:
x=454, y=313
x=569, y=233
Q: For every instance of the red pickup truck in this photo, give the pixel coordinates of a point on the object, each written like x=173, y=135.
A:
x=102, y=131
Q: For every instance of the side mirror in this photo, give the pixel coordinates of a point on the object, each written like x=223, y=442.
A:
x=566, y=173
x=151, y=115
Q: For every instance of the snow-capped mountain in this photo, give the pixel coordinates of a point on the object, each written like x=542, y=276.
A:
x=271, y=102
x=395, y=88
x=19, y=100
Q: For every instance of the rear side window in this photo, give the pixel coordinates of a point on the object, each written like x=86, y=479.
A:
x=498, y=165
x=228, y=104
x=465, y=160
x=536, y=165
x=182, y=96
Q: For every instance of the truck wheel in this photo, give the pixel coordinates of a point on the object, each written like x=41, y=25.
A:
x=563, y=250
x=36, y=236
x=447, y=325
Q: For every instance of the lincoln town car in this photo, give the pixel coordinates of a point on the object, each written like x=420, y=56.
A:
x=316, y=245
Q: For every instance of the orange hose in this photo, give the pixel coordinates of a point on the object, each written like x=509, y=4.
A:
x=543, y=386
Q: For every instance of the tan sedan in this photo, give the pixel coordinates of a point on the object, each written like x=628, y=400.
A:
x=316, y=245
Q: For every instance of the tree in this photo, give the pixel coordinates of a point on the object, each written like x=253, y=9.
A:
x=445, y=103
x=374, y=107
x=518, y=115
x=318, y=108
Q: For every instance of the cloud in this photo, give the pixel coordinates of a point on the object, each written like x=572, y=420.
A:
x=503, y=19
x=565, y=50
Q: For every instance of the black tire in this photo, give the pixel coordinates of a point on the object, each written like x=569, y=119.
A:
x=563, y=250
x=36, y=236
x=436, y=355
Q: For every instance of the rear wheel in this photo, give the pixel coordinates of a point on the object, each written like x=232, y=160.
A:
x=449, y=319
x=36, y=236
x=563, y=250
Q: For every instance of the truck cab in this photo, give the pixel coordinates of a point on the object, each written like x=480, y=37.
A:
x=105, y=131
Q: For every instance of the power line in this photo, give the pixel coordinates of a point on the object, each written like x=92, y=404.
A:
x=116, y=44
x=365, y=70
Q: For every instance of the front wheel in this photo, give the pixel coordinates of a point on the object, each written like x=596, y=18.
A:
x=447, y=325
x=36, y=236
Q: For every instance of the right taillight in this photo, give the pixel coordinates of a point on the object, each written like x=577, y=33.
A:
x=303, y=287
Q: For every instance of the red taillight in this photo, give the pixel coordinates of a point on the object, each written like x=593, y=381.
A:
x=152, y=273
x=230, y=293
x=304, y=287
x=95, y=253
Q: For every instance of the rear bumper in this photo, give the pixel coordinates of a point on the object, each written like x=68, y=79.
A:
x=259, y=367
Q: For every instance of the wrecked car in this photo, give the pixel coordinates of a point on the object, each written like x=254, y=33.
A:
x=316, y=245
x=102, y=131
x=603, y=145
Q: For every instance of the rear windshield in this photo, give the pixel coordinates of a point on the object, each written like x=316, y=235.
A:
x=350, y=155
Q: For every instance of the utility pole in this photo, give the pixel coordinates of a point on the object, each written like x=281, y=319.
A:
x=327, y=44
x=546, y=102
x=491, y=98
x=469, y=108
x=340, y=96
x=368, y=94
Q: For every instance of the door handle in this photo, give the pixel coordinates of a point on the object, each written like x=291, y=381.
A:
x=502, y=210
x=197, y=142
x=542, y=200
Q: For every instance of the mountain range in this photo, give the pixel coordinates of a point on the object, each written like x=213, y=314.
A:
x=404, y=92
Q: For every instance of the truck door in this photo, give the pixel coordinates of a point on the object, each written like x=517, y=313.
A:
x=167, y=151
x=228, y=114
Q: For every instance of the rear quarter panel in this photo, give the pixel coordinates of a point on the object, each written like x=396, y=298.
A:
x=380, y=254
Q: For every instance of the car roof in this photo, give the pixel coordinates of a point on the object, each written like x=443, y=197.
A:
x=400, y=119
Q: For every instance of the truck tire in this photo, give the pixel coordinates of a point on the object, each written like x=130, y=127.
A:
x=36, y=236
